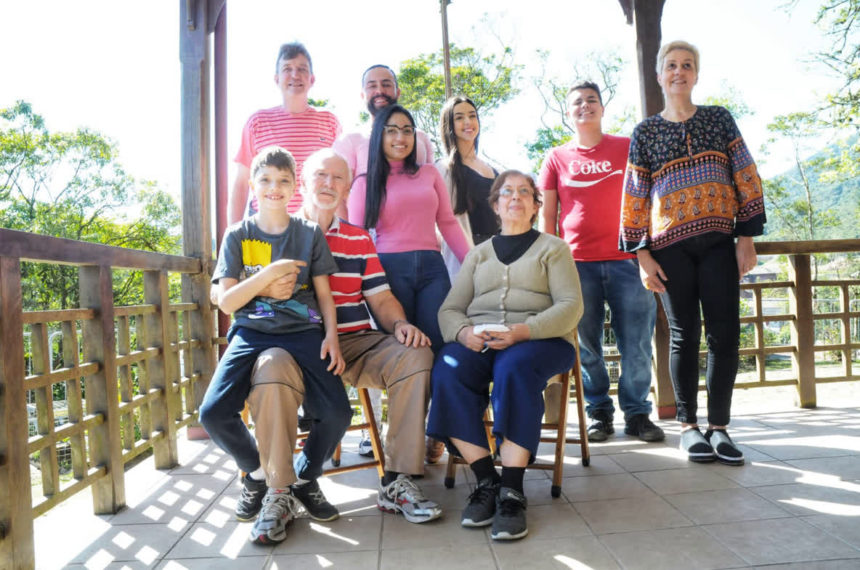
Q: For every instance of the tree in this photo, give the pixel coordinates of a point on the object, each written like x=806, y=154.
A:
x=71, y=185
x=487, y=79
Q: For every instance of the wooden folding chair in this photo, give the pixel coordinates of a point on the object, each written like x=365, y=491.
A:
x=560, y=437
x=369, y=424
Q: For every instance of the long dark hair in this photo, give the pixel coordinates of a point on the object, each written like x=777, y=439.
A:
x=460, y=199
x=378, y=167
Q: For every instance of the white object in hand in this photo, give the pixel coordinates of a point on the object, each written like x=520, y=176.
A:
x=490, y=328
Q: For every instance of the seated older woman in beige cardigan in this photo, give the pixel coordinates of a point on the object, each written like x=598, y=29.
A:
x=509, y=319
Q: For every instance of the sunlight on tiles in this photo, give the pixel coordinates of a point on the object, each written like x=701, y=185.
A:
x=168, y=498
x=153, y=512
x=203, y=536
x=123, y=540
x=235, y=542
x=147, y=555
x=329, y=532
x=192, y=507
x=183, y=485
x=825, y=507
x=569, y=562
x=100, y=559
x=177, y=524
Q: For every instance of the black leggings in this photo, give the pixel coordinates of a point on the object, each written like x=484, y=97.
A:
x=702, y=270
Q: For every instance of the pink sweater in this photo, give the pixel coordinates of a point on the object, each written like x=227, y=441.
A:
x=413, y=205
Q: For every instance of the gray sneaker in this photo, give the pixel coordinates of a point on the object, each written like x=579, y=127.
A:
x=251, y=499
x=600, y=427
x=509, y=523
x=481, y=507
x=403, y=496
x=279, y=508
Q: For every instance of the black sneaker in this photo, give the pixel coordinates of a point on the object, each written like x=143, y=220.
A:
x=481, y=507
x=724, y=448
x=601, y=426
x=312, y=499
x=510, y=520
x=697, y=448
x=251, y=499
x=641, y=425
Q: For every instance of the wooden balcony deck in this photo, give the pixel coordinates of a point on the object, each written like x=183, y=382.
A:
x=795, y=504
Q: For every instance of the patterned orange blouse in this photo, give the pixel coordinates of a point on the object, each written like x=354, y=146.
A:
x=689, y=178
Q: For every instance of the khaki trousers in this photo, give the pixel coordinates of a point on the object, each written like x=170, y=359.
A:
x=373, y=360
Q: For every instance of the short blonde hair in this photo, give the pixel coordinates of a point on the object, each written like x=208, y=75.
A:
x=677, y=44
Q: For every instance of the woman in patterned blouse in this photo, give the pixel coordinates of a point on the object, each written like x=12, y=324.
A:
x=691, y=188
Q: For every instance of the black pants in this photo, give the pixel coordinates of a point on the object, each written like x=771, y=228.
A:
x=702, y=270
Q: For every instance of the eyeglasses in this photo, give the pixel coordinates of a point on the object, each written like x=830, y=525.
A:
x=521, y=192
x=392, y=130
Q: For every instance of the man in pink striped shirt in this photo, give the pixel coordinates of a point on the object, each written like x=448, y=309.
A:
x=293, y=125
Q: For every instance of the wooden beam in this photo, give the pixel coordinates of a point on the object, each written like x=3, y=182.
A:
x=16, y=520
x=647, y=17
x=35, y=247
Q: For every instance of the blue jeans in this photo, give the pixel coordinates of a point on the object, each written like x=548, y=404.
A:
x=420, y=282
x=460, y=385
x=633, y=314
x=325, y=404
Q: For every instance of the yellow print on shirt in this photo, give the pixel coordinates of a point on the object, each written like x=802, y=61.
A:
x=256, y=255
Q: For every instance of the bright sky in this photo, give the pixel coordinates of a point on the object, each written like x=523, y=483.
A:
x=114, y=65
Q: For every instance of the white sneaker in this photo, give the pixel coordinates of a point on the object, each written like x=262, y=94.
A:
x=403, y=496
x=365, y=447
x=279, y=508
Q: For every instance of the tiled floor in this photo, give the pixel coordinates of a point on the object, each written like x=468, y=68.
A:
x=796, y=504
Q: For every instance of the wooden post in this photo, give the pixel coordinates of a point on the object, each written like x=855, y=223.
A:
x=196, y=224
x=647, y=16
x=41, y=350
x=664, y=392
x=802, y=328
x=16, y=518
x=102, y=395
x=156, y=335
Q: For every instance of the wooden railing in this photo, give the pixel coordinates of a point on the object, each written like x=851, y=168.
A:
x=800, y=288
x=131, y=377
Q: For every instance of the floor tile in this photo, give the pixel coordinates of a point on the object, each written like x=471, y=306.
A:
x=725, y=505
x=603, y=487
x=228, y=541
x=353, y=534
x=838, y=498
x=367, y=560
x=624, y=515
x=557, y=520
x=182, y=497
x=691, y=547
x=599, y=465
x=845, y=527
x=247, y=563
x=460, y=557
x=756, y=474
x=847, y=564
x=698, y=478
x=398, y=533
x=578, y=552
x=786, y=540
x=652, y=458
x=145, y=543
x=824, y=445
x=846, y=468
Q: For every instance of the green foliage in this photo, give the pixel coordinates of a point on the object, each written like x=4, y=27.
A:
x=730, y=98
x=71, y=185
x=546, y=138
x=487, y=79
x=840, y=22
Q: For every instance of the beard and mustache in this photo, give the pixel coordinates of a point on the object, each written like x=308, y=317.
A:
x=373, y=110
